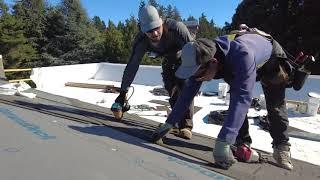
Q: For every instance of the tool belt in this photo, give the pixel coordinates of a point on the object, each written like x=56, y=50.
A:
x=297, y=73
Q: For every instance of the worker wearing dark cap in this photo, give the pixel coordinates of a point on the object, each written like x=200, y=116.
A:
x=166, y=39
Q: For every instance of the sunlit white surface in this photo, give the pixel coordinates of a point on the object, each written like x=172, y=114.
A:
x=301, y=149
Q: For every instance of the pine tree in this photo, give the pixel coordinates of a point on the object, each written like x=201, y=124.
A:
x=55, y=31
x=169, y=11
x=15, y=47
x=33, y=14
x=176, y=14
x=129, y=32
x=3, y=8
x=81, y=39
x=191, y=18
x=161, y=11
x=98, y=23
x=114, y=44
x=142, y=4
x=153, y=3
x=207, y=29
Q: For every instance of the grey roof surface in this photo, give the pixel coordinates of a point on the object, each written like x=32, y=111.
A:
x=38, y=144
x=53, y=137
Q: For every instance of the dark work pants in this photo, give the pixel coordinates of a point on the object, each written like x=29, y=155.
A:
x=243, y=135
x=277, y=115
x=174, y=87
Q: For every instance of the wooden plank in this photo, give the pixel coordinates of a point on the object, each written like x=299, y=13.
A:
x=17, y=70
x=108, y=88
x=18, y=80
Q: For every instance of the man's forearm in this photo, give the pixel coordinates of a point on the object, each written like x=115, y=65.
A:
x=129, y=75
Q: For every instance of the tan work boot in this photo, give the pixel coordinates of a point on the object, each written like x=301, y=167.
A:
x=281, y=153
x=185, y=133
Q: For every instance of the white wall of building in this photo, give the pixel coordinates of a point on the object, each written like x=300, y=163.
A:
x=146, y=75
x=57, y=76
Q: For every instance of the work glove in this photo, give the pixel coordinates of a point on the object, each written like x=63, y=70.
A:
x=223, y=155
x=245, y=153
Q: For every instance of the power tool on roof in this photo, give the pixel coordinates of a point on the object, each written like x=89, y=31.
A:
x=121, y=105
x=118, y=110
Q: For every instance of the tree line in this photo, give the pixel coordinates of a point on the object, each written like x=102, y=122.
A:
x=293, y=23
x=34, y=33
x=37, y=34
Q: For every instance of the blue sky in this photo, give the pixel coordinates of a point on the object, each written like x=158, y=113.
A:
x=118, y=10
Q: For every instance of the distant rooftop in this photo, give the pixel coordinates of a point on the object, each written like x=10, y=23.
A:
x=191, y=23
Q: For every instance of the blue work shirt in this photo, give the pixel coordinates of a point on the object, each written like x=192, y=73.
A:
x=242, y=56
